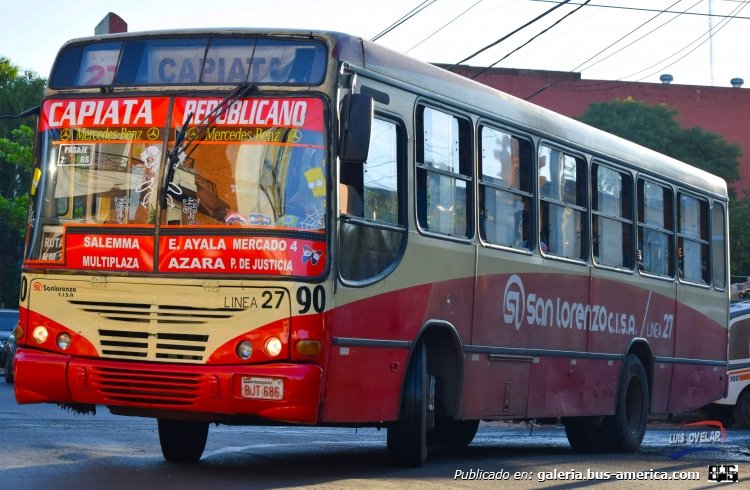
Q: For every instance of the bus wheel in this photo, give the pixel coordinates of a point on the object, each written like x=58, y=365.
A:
x=452, y=433
x=742, y=410
x=407, y=437
x=584, y=434
x=720, y=413
x=624, y=431
x=182, y=441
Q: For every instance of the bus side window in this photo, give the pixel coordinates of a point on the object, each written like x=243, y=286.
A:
x=692, y=239
x=612, y=217
x=505, y=189
x=443, y=173
x=655, y=228
x=370, y=248
x=562, y=193
x=718, y=246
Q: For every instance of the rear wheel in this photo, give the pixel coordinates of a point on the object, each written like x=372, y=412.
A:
x=453, y=433
x=584, y=434
x=407, y=437
x=721, y=413
x=624, y=431
x=182, y=441
x=742, y=410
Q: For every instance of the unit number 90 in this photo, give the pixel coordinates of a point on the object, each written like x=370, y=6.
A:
x=314, y=299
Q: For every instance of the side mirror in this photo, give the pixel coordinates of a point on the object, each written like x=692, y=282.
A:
x=356, y=124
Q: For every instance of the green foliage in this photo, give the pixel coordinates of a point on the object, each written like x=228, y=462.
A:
x=655, y=127
x=739, y=233
x=19, y=91
x=16, y=160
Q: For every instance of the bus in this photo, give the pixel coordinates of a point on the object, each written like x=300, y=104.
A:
x=243, y=226
x=735, y=407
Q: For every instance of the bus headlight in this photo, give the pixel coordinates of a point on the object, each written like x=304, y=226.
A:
x=244, y=350
x=63, y=341
x=40, y=334
x=272, y=347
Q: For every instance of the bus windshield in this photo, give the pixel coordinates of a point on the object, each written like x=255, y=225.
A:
x=256, y=168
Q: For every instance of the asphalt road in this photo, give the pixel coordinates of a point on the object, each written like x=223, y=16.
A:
x=44, y=447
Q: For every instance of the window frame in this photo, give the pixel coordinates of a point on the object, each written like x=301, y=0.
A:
x=714, y=246
x=626, y=204
x=401, y=200
x=527, y=195
x=705, y=240
x=582, y=179
x=670, y=233
x=466, y=162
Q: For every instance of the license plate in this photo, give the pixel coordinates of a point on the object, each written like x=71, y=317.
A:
x=262, y=388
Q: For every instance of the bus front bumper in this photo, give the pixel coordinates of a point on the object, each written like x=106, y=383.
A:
x=283, y=392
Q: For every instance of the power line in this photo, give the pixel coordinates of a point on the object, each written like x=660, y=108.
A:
x=641, y=9
x=404, y=18
x=581, y=67
x=558, y=80
x=446, y=25
x=710, y=33
x=530, y=40
x=510, y=34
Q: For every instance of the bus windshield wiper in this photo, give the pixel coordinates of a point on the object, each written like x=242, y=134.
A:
x=179, y=153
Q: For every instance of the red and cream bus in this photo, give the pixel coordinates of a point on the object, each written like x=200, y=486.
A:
x=246, y=226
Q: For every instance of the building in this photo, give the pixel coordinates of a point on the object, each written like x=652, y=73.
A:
x=721, y=110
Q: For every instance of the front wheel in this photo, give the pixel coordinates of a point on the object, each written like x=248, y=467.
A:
x=407, y=437
x=182, y=441
x=8, y=368
x=624, y=431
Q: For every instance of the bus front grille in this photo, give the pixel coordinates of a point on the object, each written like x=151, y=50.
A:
x=146, y=387
x=160, y=345
x=152, y=332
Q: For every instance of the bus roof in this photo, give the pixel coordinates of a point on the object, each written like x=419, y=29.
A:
x=533, y=118
x=481, y=99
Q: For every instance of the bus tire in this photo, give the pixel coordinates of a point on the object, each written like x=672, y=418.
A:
x=452, y=433
x=720, y=413
x=741, y=410
x=623, y=432
x=584, y=434
x=8, y=368
x=407, y=437
x=182, y=441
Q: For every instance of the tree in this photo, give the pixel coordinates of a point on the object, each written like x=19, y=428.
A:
x=654, y=127
x=18, y=91
x=739, y=239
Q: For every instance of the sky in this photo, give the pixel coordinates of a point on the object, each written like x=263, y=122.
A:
x=601, y=40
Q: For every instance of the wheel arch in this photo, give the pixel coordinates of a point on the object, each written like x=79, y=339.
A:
x=444, y=361
x=640, y=348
